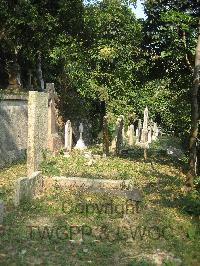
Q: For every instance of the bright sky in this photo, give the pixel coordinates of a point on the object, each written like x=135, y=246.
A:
x=139, y=11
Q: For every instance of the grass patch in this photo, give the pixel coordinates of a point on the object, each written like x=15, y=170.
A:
x=64, y=227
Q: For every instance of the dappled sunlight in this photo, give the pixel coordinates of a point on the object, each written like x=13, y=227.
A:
x=99, y=226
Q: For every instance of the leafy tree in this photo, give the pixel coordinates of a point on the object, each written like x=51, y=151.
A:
x=30, y=28
x=103, y=65
x=171, y=29
x=194, y=160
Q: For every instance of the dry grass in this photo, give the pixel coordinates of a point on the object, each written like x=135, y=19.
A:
x=160, y=233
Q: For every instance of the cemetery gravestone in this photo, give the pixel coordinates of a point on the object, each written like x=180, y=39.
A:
x=68, y=136
x=155, y=131
x=149, y=134
x=119, y=142
x=14, y=78
x=26, y=188
x=124, y=137
x=105, y=136
x=37, y=129
x=145, y=126
x=139, y=130
x=80, y=143
x=114, y=140
x=54, y=140
x=131, y=135
x=52, y=130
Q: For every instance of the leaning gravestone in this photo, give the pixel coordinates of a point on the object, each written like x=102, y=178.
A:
x=37, y=129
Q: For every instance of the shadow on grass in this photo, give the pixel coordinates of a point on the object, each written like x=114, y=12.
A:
x=169, y=189
x=5, y=174
x=11, y=165
x=153, y=156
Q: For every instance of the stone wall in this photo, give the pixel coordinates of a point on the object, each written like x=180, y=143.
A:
x=13, y=128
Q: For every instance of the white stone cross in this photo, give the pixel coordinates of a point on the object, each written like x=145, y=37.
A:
x=80, y=143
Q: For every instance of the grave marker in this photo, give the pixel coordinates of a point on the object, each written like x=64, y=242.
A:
x=37, y=129
x=119, y=141
x=145, y=126
x=80, y=143
x=68, y=136
x=139, y=130
x=149, y=134
x=26, y=188
x=54, y=140
x=155, y=131
x=105, y=136
x=131, y=135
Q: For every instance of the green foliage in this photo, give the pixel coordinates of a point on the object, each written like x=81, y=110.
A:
x=49, y=168
x=30, y=28
x=171, y=36
x=192, y=204
x=98, y=52
x=102, y=64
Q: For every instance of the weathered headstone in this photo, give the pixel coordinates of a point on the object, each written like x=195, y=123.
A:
x=14, y=78
x=21, y=190
x=149, y=134
x=119, y=142
x=99, y=185
x=131, y=135
x=37, y=129
x=26, y=188
x=114, y=139
x=80, y=143
x=105, y=136
x=124, y=136
x=146, y=117
x=139, y=130
x=137, y=135
x=54, y=140
x=68, y=136
x=51, y=123
x=145, y=126
x=2, y=210
x=155, y=131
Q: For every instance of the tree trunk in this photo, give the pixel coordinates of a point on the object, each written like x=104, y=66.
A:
x=194, y=119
